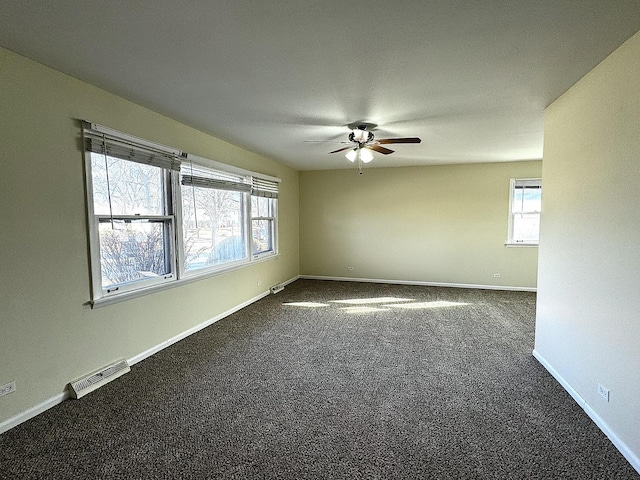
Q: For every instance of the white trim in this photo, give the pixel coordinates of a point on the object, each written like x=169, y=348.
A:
x=622, y=447
x=291, y=280
x=33, y=411
x=92, y=229
x=532, y=182
x=576, y=396
x=99, y=294
x=172, y=222
x=189, y=278
x=167, y=343
x=425, y=284
x=57, y=399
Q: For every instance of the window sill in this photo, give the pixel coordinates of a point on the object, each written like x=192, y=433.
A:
x=121, y=297
x=520, y=244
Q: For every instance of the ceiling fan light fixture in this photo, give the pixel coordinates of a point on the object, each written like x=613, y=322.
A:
x=365, y=155
x=361, y=144
x=362, y=136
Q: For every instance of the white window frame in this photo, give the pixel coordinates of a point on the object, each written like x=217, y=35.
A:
x=213, y=167
x=94, y=220
x=249, y=177
x=173, y=218
x=520, y=183
x=262, y=189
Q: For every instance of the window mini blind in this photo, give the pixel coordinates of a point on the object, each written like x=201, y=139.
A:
x=262, y=187
x=197, y=176
x=105, y=141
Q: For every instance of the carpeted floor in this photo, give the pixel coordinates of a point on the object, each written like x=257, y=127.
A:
x=427, y=383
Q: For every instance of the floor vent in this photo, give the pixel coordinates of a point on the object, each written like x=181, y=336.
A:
x=80, y=387
x=277, y=288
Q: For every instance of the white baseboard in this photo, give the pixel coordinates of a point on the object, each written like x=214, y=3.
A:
x=161, y=346
x=33, y=411
x=622, y=447
x=291, y=280
x=57, y=399
x=425, y=284
x=167, y=343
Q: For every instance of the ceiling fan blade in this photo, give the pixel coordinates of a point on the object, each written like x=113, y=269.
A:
x=350, y=147
x=379, y=149
x=386, y=141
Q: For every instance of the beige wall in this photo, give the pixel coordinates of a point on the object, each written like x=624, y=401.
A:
x=48, y=334
x=588, y=317
x=440, y=224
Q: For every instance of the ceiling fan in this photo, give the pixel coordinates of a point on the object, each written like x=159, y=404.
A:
x=362, y=140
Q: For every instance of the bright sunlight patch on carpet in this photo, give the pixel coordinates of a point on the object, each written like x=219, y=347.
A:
x=307, y=304
x=420, y=305
x=361, y=309
x=364, y=301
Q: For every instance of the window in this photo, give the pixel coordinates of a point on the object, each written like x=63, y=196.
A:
x=264, y=196
x=213, y=225
x=131, y=222
x=524, y=211
x=158, y=216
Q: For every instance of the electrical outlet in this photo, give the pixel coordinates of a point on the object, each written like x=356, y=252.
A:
x=604, y=392
x=7, y=388
x=496, y=275
x=259, y=282
x=350, y=268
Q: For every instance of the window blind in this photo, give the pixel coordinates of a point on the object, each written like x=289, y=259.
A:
x=527, y=184
x=197, y=176
x=107, y=142
x=203, y=182
x=261, y=187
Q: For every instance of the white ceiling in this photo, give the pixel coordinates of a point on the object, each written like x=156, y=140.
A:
x=471, y=78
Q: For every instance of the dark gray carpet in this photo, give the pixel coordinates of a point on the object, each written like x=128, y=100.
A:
x=293, y=392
